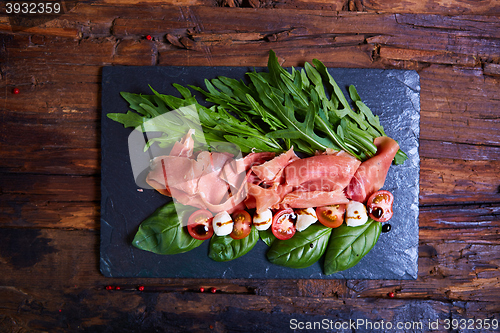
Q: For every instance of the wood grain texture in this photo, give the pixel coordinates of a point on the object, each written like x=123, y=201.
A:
x=50, y=171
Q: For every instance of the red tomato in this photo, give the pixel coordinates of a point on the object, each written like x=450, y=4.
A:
x=331, y=216
x=283, y=224
x=200, y=224
x=379, y=206
x=242, y=225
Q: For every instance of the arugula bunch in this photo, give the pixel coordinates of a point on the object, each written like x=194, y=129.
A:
x=276, y=110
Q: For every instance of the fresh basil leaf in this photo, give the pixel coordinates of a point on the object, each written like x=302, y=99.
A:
x=348, y=245
x=224, y=248
x=302, y=250
x=267, y=236
x=163, y=231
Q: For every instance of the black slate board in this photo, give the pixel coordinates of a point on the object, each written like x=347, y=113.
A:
x=392, y=94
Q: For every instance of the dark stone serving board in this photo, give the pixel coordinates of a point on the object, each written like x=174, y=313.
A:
x=394, y=95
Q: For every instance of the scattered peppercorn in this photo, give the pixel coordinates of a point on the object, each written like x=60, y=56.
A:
x=15, y=91
x=202, y=289
x=391, y=294
x=148, y=37
x=213, y=290
x=118, y=288
x=386, y=227
x=140, y=288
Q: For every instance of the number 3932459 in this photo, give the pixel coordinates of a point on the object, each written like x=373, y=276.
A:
x=32, y=7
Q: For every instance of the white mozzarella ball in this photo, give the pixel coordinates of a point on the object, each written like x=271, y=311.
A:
x=305, y=217
x=223, y=224
x=355, y=214
x=263, y=220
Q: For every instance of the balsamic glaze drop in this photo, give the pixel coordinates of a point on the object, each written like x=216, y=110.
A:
x=378, y=212
x=201, y=229
x=386, y=227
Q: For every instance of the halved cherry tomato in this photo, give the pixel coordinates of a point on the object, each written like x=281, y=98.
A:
x=200, y=224
x=283, y=226
x=242, y=225
x=331, y=216
x=379, y=206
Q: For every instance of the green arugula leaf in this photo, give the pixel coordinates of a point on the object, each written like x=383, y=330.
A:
x=129, y=119
x=276, y=110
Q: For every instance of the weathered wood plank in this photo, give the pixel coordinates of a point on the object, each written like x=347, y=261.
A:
x=57, y=67
x=82, y=309
x=46, y=160
x=451, y=44
x=454, y=7
x=71, y=135
x=445, y=181
x=442, y=182
x=451, y=270
x=51, y=187
x=85, y=161
x=459, y=151
x=40, y=213
x=492, y=69
x=456, y=41
x=460, y=103
x=436, y=57
x=62, y=32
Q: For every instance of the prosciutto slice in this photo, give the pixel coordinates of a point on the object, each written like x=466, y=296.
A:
x=264, y=198
x=306, y=199
x=270, y=171
x=219, y=182
x=371, y=174
x=158, y=178
x=198, y=180
x=322, y=172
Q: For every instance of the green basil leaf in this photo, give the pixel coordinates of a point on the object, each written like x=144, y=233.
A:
x=163, y=231
x=267, y=236
x=303, y=249
x=224, y=248
x=349, y=244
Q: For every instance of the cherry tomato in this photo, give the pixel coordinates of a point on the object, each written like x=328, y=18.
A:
x=242, y=225
x=283, y=224
x=379, y=206
x=200, y=224
x=331, y=216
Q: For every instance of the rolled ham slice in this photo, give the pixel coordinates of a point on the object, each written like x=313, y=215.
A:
x=371, y=174
x=322, y=172
x=198, y=180
x=270, y=171
x=306, y=199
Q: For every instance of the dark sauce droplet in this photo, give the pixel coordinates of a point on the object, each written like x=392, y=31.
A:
x=378, y=212
x=201, y=229
x=311, y=245
x=386, y=227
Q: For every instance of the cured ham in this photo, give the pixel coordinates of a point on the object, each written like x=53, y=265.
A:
x=322, y=172
x=264, y=198
x=270, y=171
x=303, y=199
x=371, y=174
x=219, y=182
x=196, y=180
x=185, y=146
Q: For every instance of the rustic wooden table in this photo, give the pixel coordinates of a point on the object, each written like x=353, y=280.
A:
x=50, y=161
